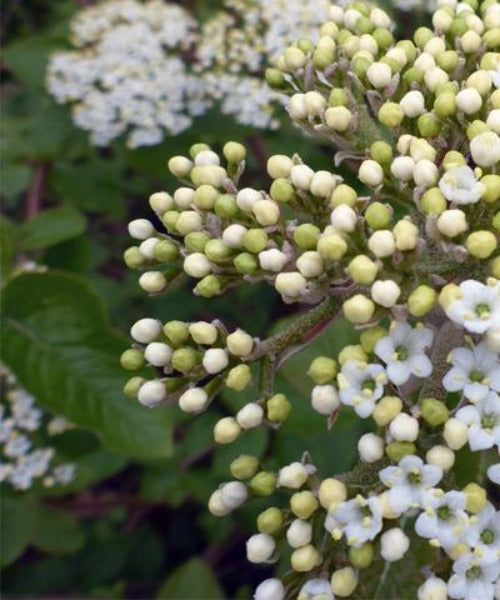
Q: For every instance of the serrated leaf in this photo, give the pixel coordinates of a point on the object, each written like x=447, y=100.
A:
x=193, y=580
x=51, y=227
x=58, y=342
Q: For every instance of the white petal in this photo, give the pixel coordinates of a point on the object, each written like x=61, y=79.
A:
x=398, y=372
x=455, y=380
x=384, y=349
x=420, y=365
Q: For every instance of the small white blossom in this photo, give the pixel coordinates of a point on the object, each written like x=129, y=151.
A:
x=472, y=579
x=460, y=186
x=477, y=308
x=483, y=422
x=361, y=519
x=444, y=518
x=361, y=385
x=483, y=534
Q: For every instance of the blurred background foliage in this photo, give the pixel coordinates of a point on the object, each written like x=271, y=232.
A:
x=133, y=522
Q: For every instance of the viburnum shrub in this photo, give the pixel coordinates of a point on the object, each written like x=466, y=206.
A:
x=408, y=255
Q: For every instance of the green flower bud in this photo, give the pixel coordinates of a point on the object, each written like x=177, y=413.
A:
x=378, y=215
x=352, y=352
x=496, y=221
x=278, y=408
x=304, y=504
x=263, y=484
x=362, y=270
x=447, y=60
x=491, y=38
x=495, y=266
x=364, y=25
x=180, y=166
x=428, y=125
x=338, y=97
x=133, y=258
x=481, y=244
x=217, y=251
x=381, y=152
x=239, y=377
x=177, y=332
x=397, y=450
x=282, y=190
x=475, y=496
x=489, y=61
x=208, y=287
x=359, y=309
x=131, y=388
x=413, y=75
x=343, y=194
x=205, y=197
x=445, y=105
x=361, y=557
x=332, y=246
x=433, y=202
x=390, y=114
x=457, y=28
x=255, y=240
x=360, y=65
x=434, y=411
x=409, y=49
x=270, y=520
x=370, y=337
x=196, y=241
x=185, y=359
x=475, y=128
x=246, y=263
x=422, y=35
x=386, y=409
x=322, y=370
x=225, y=206
x=453, y=159
x=275, y=78
x=383, y=37
x=491, y=191
x=169, y=219
x=234, y=152
x=244, y=467
x=306, y=236
x=208, y=174
x=344, y=581
x=421, y=300
x=132, y=359
x=197, y=148
x=166, y=251
x=323, y=58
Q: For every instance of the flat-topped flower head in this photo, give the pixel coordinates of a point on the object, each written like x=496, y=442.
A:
x=475, y=306
x=472, y=579
x=409, y=481
x=475, y=371
x=444, y=520
x=361, y=519
x=403, y=351
x=460, y=186
x=483, y=422
x=361, y=385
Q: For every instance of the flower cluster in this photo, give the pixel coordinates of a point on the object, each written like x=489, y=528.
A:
x=23, y=460
x=407, y=255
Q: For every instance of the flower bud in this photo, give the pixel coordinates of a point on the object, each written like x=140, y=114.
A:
x=282, y=191
x=344, y=218
x=141, y=229
x=434, y=411
x=481, y=244
x=378, y=215
x=398, y=450
x=270, y=589
x=452, y=222
x=476, y=497
x=234, y=494
x=305, y=559
x=299, y=533
x=234, y=235
x=247, y=198
x=293, y=476
x=338, y=118
x=385, y=293
x=185, y=359
x=331, y=246
x=322, y=370
x=153, y=282
x=145, y=331
x=134, y=258
x=352, y=352
x=266, y=212
x=255, y=240
x=303, y=504
x=208, y=175
x=279, y=166
x=412, y=104
x=216, y=505
x=469, y=101
x=485, y=149
x=270, y=520
x=132, y=359
x=402, y=168
x=158, y=354
x=244, y=467
x=263, y=484
x=226, y=430
x=203, y=333
x=184, y=197
x=215, y=360
x=382, y=243
x=152, y=393
x=239, y=377
x=206, y=157
x=225, y=206
x=362, y=269
x=239, y=343
x=147, y=248
x=441, y=456
x=370, y=173
x=197, y=265
x=370, y=447
x=344, y=582
x=278, y=408
x=421, y=300
x=379, y=74
x=234, y=152
x=131, y=388
x=260, y=548
x=160, y=202
x=362, y=556
x=390, y=114
x=386, y=409
x=166, y=251
x=250, y=415
x=369, y=338
x=290, y=284
x=208, y=287
x=404, y=428
x=394, y=544
x=491, y=188
x=306, y=236
x=343, y=194
x=301, y=176
x=359, y=309
x=315, y=103
x=310, y=264
x=433, y=589
x=322, y=184
x=331, y=491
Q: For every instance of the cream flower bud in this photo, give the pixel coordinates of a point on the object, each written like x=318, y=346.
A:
x=141, y=229
x=206, y=157
x=293, y=476
x=246, y=199
x=180, y=166
x=382, y=243
x=336, y=14
x=294, y=58
x=404, y=143
x=425, y=173
x=469, y=101
x=441, y=456
x=216, y=505
x=344, y=218
x=404, y=428
x=433, y=589
x=402, y=168
x=310, y=264
x=250, y=416
x=184, y=197
x=193, y=400
x=234, y=494
x=301, y=176
x=331, y=491
x=413, y=104
x=379, y=74
x=290, y=284
x=344, y=582
x=406, y=235
x=215, y=360
x=160, y=202
x=239, y=343
x=279, y=166
x=362, y=269
x=370, y=447
x=197, y=265
x=266, y=212
x=158, y=354
x=305, y=559
x=371, y=173
x=270, y=589
x=455, y=433
x=380, y=19
x=297, y=107
x=493, y=339
x=322, y=183
x=394, y=544
x=471, y=42
x=152, y=393
x=359, y=309
x=338, y=118
x=203, y=333
x=435, y=46
x=420, y=149
x=485, y=148
x=273, y=260
x=424, y=62
x=452, y=222
x=226, y=430
x=315, y=103
x=145, y=331
x=493, y=120
x=260, y=548
x=188, y=221
x=299, y=533
x=385, y=293
x=324, y=399
x=435, y=77
x=147, y=248
x=152, y=282
x=234, y=235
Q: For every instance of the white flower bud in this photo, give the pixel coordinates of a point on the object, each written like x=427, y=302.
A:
x=239, y=343
x=141, y=229
x=452, y=222
x=385, y=293
x=394, y=544
x=246, y=198
x=270, y=589
x=493, y=339
x=424, y=62
x=371, y=173
x=301, y=176
x=297, y=107
x=336, y=14
x=279, y=166
x=379, y=18
x=260, y=548
x=402, y=168
x=493, y=120
x=370, y=447
x=323, y=183
x=455, y=433
x=180, y=166
x=315, y=103
x=379, y=74
x=435, y=46
x=469, y=100
x=293, y=476
x=152, y=282
x=234, y=494
x=193, y=400
x=145, y=331
x=404, y=143
x=471, y=42
x=233, y=235
x=404, y=428
x=273, y=260
x=351, y=16
x=188, y=221
x=206, y=157
x=216, y=505
x=433, y=589
x=184, y=197
x=397, y=54
x=412, y=104
x=266, y=212
x=160, y=202
x=324, y=399
x=197, y=265
x=425, y=173
x=226, y=430
x=406, y=235
x=382, y=243
x=250, y=415
x=147, y=248
x=203, y=333
x=485, y=148
x=441, y=456
x=435, y=77
x=215, y=360
x=420, y=149
x=152, y=393
x=338, y=118
x=299, y=533
x=310, y=264
x=344, y=218
x=290, y=284
x=158, y=354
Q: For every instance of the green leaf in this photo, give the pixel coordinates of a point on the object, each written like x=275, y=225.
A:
x=17, y=519
x=193, y=580
x=16, y=179
x=9, y=242
x=51, y=227
x=27, y=59
x=56, y=533
x=58, y=343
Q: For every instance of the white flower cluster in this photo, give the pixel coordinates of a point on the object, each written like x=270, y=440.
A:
x=22, y=462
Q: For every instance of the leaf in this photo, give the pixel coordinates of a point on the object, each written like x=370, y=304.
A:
x=56, y=533
x=17, y=518
x=27, y=58
x=9, y=238
x=51, y=227
x=193, y=580
x=58, y=343
x=16, y=179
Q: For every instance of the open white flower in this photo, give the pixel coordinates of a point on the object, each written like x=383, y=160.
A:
x=444, y=519
x=361, y=385
x=475, y=371
x=403, y=350
x=460, y=186
x=471, y=579
x=316, y=589
x=409, y=481
x=483, y=421
x=361, y=519
x=476, y=307
x=484, y=534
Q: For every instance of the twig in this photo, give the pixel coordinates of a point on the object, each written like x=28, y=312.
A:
x=34, y=197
